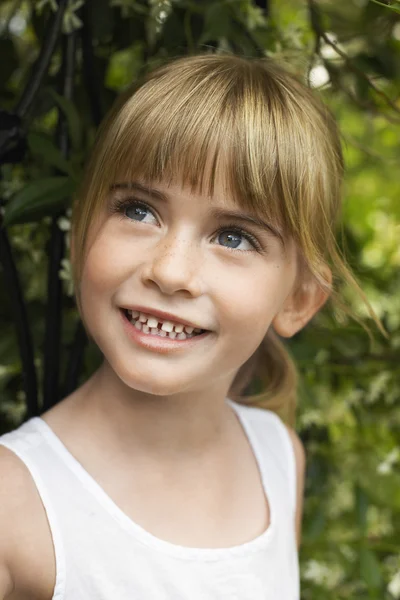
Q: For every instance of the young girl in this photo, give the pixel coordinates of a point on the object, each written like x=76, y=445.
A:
x=202, y=234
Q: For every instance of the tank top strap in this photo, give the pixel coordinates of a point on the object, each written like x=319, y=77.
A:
x=275, y=449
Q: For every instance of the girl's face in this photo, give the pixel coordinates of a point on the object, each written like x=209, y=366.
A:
x=204, y=261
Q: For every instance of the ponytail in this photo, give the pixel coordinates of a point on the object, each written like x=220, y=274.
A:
x=268, y=380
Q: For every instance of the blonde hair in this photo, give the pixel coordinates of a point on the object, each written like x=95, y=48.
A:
x=278, y=148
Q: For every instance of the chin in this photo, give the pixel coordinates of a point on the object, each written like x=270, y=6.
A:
x=150, y=385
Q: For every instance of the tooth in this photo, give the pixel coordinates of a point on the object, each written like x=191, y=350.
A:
x=189, y=329
x=145, y=328
x=197, y=330
x=178, y=328
x=142, y=318
x=162, y=333
x=138, y=325
x=181, y=336
x=167, y=326
x=153, y=330
x=134, y=313
x=152, y=322
x=172, y=335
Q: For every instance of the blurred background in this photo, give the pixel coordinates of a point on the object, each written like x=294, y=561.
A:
x=62, y=64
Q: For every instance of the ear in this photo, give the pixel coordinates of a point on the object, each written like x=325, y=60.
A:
x=301, y=305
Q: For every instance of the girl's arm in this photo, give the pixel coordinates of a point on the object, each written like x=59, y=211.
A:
x=7, y=493
x=26, y=551
x=300, y=456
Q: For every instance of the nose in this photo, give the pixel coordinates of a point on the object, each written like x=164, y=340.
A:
x=173, y=266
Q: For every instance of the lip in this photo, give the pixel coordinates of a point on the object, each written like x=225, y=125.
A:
x=157, y=343
x=162, y=315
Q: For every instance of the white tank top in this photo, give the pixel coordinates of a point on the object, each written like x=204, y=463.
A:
x=101, y=554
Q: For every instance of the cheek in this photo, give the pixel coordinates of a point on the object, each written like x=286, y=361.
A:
x=107, y=264
x=252, y=299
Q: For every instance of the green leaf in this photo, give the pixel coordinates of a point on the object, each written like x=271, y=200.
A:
x=37, y=199
x=71, y=114
x=361, y=509
x=217, y=23
x=124, y=67
x=370, y=569
x=316, y=526
x=390, y=6
x=42, y=146
x=383, y=490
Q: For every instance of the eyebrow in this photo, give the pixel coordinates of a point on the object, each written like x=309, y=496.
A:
x=218, y=213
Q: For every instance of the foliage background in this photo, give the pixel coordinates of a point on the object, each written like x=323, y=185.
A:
x=349, y=398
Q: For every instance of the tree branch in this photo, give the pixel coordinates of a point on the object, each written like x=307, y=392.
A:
x=41, y=65
x=21, y=321
x=52, y=341
x=315, y=19
x=91, y=75
x=16, y=140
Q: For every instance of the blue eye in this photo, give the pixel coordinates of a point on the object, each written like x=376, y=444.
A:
x=135, y=210
x=234, y=237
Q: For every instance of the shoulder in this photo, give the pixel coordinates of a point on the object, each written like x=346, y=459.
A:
x=25, y=542
x=14, y=493
x=264, y=415
x=10, y=480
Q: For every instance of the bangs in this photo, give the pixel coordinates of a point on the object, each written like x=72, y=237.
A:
x=194, y=126
x=272, y=146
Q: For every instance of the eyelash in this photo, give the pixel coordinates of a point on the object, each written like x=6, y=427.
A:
x=121, y=204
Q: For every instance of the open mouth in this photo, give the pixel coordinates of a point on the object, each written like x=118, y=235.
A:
x=151, y=325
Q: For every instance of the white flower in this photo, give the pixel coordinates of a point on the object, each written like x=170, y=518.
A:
x=64, y=224
x=386, y=465
x=394, y=586
x=65, y=274
x=328, y=576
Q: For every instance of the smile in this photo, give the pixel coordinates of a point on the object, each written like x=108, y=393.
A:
x=157, y=339
x=154, y=326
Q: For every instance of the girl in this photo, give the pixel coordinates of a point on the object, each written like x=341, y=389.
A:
x=202, y=234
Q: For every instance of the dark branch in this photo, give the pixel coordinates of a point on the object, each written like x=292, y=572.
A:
x=316, y=24
x=41, y=65
x=12, y=149
x=21, y=321
x=90, y=72
x=94, y=92
x=52, y=342
x=75, y=359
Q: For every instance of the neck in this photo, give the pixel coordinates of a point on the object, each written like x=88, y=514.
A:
x=130, y=422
